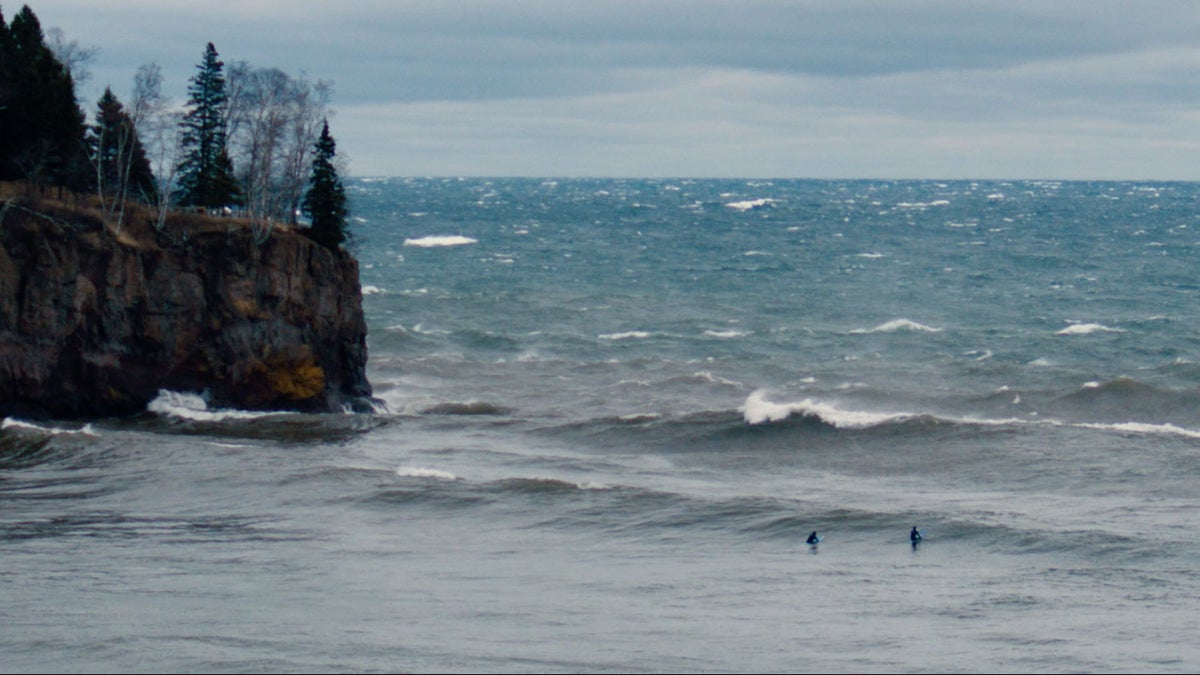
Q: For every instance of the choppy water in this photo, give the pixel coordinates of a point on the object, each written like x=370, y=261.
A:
x=617, y=408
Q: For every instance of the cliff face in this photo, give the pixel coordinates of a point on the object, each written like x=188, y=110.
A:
x=94, y=326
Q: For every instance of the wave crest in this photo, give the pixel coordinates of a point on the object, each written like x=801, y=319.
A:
x=897, y=325
x=751, y=204
x=439, y=241
x=18, y=425
x=1088, y=329
x=421, y=472
x=758, y=410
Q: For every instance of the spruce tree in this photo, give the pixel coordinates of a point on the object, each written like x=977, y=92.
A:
x=325, y=201
x=6, y=92
x=42, y=137
x=206, y=172
x=118, y=156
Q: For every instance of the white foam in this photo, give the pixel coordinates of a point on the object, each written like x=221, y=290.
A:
x=422, y=472
x=439, y=241
x=1087, y=329
x=751, y=204
x=627, y=335
x=896, y=325
x=706, y=376
x=922, y=205
x=194, y=407
x=1143, y=428
x=726, y=334
x=758, y=410
x=640, y=417
x=372, y=290
x=10, y=423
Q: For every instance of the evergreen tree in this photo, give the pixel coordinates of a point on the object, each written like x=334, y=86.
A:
x=325, y=201
x=43, y=126
x=206, y=172
x=5, y=86
x=122, y=168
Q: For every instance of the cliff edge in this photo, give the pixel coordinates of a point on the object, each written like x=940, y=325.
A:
x=95, y=324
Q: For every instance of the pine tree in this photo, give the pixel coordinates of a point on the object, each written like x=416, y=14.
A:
x=43, y=126
x=325, y=201
x=122, y=168
x=206, y=172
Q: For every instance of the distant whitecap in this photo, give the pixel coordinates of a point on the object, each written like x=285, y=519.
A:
x=436, y=241
x=627, y=335
x=1087, y=329
x=421, y=472
x=898, y=325
x=751, y=204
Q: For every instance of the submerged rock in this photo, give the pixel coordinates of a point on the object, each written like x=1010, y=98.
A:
x=93, y=324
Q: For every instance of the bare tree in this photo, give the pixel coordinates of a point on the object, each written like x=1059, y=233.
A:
x=73, y=56
x=274, y=120
x=158, y=124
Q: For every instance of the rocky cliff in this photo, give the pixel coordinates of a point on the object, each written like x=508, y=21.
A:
x=94, y=324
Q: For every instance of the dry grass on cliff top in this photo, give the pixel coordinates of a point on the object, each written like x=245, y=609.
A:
x=137, y=223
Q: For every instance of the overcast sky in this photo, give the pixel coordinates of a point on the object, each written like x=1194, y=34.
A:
x=828, y=89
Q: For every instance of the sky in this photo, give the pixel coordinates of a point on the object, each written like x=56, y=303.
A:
x=1003, y=89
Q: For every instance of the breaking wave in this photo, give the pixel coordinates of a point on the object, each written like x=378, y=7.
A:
x=194, y=407
x=18, y=425
x=897, y=325
x=1087, y=329
x=439, y=241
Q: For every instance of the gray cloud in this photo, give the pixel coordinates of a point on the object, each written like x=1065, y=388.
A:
x=699, y=87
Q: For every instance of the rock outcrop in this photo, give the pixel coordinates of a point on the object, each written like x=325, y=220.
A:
x=93, y=324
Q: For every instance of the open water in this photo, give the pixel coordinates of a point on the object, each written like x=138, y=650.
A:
x=615, y=411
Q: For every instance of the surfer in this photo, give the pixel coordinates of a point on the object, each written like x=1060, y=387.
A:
x=915, y=536
x=813, y=538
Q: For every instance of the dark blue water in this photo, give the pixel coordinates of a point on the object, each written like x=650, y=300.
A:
x=617, y=408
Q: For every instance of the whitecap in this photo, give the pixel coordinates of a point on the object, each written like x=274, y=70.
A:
x=372, y=290
x=439, y=241
x=422, y=472
x=627, y=335
x=751, y=204
x=10, y=423
x=922, y=205
x=637, y=418
x=896, y=325
x=1143, y=428
x=706, y=376
x=1087, y=329
x=758, y=410
x=726, y=334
